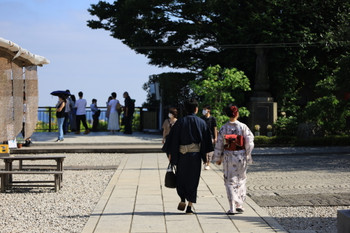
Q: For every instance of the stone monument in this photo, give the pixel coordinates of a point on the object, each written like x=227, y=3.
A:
x=263, y=110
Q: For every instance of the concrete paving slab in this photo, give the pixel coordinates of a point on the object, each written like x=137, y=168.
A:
x=181, y=227
x=218, y=227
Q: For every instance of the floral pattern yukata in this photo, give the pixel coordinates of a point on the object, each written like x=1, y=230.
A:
x=235, y=162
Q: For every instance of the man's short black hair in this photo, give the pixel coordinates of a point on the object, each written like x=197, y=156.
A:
x=207, y=107
x=114, y=95
x=80, y=94
x=191, y=105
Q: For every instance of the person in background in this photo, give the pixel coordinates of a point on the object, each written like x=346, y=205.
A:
x=80, y=105
x=129, y=108
x=95, y=115
x=60, y=111
x=211, y=123
x=107, y=112
x=73, y=114
x=187, y=144
x=235, y=155
x=27, y=141
x=169, y=122
x=113, y=106
x=68, y=109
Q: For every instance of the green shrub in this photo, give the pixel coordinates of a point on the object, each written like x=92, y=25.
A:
x=328, y=113
x=274, y=141
x=286, y=126
x=136, y=122
x=102, y=125
x=334, y=140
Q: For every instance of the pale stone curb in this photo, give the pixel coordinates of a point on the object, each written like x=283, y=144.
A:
x=265, y=216
x=99, y=208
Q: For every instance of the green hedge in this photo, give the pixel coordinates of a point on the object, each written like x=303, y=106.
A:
x=261, y=141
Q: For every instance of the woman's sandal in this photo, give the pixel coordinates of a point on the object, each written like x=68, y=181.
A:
x=229, y=212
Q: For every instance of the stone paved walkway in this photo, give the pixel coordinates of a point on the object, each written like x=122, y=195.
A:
x=136, y=201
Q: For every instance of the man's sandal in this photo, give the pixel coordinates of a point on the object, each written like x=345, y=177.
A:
x=189, y=210
x=181, y=206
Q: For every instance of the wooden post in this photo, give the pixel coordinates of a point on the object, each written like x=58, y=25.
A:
x=31, y=92
x=50, y=119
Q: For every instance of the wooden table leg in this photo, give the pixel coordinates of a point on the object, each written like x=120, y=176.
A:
x=8, y=167
x=60, y=167
x=3, y=182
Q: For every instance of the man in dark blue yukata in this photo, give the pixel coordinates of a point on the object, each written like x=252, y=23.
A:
x=188, y=143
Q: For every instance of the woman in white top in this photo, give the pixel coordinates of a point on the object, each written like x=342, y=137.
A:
x=113, y=119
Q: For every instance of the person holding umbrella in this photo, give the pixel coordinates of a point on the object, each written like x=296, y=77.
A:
x=60, y=112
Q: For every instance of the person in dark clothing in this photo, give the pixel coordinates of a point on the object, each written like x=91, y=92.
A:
x=187, y=144
x=95, y=114
x=67, y=113
x=129, y=108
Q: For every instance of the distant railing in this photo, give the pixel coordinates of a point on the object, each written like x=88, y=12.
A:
x=47, y=119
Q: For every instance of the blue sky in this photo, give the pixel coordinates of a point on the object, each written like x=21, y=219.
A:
x=81, y=59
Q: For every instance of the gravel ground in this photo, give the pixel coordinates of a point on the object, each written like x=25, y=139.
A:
x=92, y=159
x=296, y=180
x=75, y=159
x=321, y=219
x=43, y=210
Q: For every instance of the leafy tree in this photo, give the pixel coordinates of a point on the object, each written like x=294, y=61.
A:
x=329, y=110
x=195, y=34
x=325, y=112
x=174, y=88
x=219, y=87
x=342, y=75
x=304, y=39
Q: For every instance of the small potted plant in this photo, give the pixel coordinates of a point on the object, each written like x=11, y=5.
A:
x=20, y=142
x=269, y=130
x=257, y=130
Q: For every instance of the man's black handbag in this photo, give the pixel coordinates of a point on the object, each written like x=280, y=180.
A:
x=170, y=177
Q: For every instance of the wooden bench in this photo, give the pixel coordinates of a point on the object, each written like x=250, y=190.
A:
x=6, y=183
x=8, y=160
